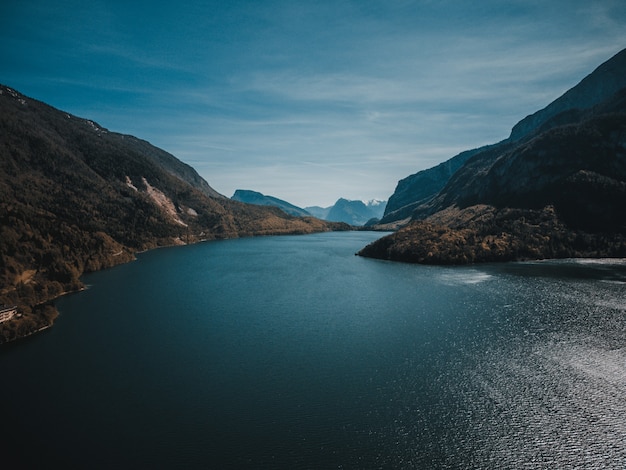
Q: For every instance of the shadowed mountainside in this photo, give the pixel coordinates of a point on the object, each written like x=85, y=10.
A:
x=75, y=198
x=420, y=187
x=559, y=191
x=599, y=86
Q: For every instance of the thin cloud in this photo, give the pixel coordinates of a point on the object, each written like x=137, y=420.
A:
x=307, y=101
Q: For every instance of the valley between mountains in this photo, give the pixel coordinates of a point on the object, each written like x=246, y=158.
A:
x=76, y=198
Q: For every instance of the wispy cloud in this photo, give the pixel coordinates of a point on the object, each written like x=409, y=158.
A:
x=307, y=101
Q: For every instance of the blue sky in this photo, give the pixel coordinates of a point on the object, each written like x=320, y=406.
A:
x=307, y=101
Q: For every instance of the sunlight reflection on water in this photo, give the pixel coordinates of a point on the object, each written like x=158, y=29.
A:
x=559, y=403
x=464, y=276
x=290, y=352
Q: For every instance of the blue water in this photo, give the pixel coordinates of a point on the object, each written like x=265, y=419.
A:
x=291, y=352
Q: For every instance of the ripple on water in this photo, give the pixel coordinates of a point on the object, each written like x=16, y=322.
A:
x=560, y=402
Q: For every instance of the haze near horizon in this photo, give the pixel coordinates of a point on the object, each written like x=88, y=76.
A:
x=306, y=102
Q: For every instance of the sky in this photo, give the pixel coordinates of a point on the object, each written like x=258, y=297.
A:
x=305, y=100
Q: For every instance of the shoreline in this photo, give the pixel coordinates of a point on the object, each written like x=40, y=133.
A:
x=42, y=315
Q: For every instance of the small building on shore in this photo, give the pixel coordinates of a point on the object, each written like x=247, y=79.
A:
x=6, y=313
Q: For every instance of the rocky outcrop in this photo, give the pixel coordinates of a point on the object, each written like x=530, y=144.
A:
x=487, y=234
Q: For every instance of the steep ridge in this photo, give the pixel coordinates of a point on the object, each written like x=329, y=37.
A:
x=560, y=166
x=75, y=197
x=606, y=80
x=167, y=162
x=559, y=191
x=418, y=189
x=256, y=198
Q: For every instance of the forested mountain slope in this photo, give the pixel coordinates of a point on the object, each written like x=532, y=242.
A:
x=75, y=198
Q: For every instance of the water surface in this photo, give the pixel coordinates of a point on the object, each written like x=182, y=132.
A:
x=291, y=352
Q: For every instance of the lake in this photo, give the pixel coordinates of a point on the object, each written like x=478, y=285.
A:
x=291, y=352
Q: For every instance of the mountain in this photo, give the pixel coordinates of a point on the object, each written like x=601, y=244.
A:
x=557, y=191
x=599, y=86
x=377, y=207
x=351, y=212
x=319, y=212
x=167, y=162
x=75, y=197
x=356, y=213
x=579, y=168
x=605, y=81
x=253, y=197
x=421, y=186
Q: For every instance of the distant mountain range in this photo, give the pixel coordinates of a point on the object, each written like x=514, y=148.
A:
x=75, y=197
x=253, y=197
x=555, y=188
x=357, y=213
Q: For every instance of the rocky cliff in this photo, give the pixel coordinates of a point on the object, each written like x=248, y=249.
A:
x=578, y=167
x=418, y=188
